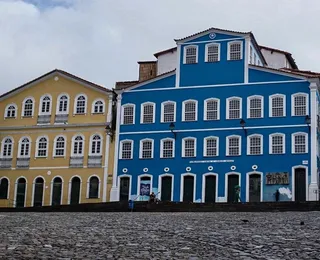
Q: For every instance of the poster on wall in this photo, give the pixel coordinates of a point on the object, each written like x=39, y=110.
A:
x=145, y=186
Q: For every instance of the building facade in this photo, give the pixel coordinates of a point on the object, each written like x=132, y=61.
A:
x=216, y=112
x=54, y=147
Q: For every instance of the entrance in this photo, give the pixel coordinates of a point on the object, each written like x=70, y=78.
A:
x=233, y=180
x=75, y=190
x=210, y=189
x=254, y=188
x=56, y=191
x=21, y=193
x=38, y=192
x=300, y=184
x=188, y=188
x=166, y=186
x=124, y=188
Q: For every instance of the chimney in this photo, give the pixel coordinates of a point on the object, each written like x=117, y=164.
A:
x=147, y=70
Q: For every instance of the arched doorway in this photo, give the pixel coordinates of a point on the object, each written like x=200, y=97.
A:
x=188, y=188
x=21, y=193
x=210, y=188
x=38, y=192
x=75, y=191
x=300, y=184
x=56, y=191
x=233, y=181
x=124, y=188
x=145, y=188
x=254, y=187
x=166, y=188
x=94, y=187
x=4, y=188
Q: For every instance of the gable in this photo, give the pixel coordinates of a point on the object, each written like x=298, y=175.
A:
x=213, y=37
x=257, y=75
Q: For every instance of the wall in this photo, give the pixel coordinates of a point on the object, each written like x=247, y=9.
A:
x=167, y=62
x=275, y=60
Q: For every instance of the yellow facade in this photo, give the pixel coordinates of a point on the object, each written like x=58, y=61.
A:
x=54, y=127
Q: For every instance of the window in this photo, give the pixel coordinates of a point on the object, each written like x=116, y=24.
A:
x=189, y=147
x=126, y=149
x=255, y=145
x=128, y=113
x=190, y=54
x=4, y=188
x=148, y=113
x=212, y=52
x=98, y=106
x=42, y=147
x=190, y=110
x=95, y=145
x=168, y=112
x=255, y=107
x=94, y=187
x=27, y=107
x=299, y=104
x=167, y=148
x=250, y=58
x=7, y=147
x=24, y=147
x=277, y=104
x=299, y=143
x=212, y=109
x=254, y=59
x=45, y=105
x=211, y=146
x=60, y=146
x=62, y=104
x=277, y=144
x=234, y=110
x=80, y=104
x=78, y=145
x=146, y=149
x=234, y=50
x=10, y=111
x=233, y=145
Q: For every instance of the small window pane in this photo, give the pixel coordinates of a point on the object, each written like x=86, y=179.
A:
x=128, y=115
x=213, y=53
x=299, y=144
x=189, y=148
x=168, y=112
x=277, y=144
x=212, y=110
x=146, y=149
x=81, y=105
x=190, y=111
x=234, y=146
x=126, y=150
x=255, y=108
x=300, y=105
x=211, y=145
x=167, y=149
x=255, y=145
x=234, y=109
x=235, y=51
x=277, y=106
x=191, y=55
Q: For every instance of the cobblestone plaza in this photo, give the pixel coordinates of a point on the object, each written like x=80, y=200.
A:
x=160, y=235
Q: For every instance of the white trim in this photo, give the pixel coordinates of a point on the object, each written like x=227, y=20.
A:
x=8, y=191
x=88, y=186
x=6, y=111
x=94, y=104
x=58, y=104
x=162, y=110
x=247, y=41
x=16, y=189
x=54, y=146
x=142, y=111
x=177, y=72
x=120, y=152
x=40, y=105
x=226, y=184
x=173, y=147
x=70, y=186
x=122, y=113
x=241, y=48
x=48, y=168
x=139, y=182
x=73, y=143
x=204, y=185
x=37, y=147
x=205, y=105
x=227, y=144
x=20, y=146
x=249, y=143
x=206, y=51
x=293, y=142
x=182, y=185
x=23, y=106
x=228, y=107
x=75, y=104
x=283, y=142
x=209, y=41
x=205, y=145
x=130, y=184
x=248, y=184
x=284, y=104
x=249, y=105
x=183, y=109
x=293, y=103
x=50, y=128
x=185, y=51
x=194, y=148
x=91, y=142
x=141, y=148
x=33, y=189
x=160, y=184
x=2, y=146
x=293, y=175
x=51, y=192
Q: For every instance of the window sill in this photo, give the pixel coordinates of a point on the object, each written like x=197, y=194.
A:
x=59, y=156
x=8, y=118
x=212, y=156
x=166, y=157
x=233, y=155
x=190, y=63
x=254, y=117
x=298, y=153
x=211, y=119
x=276, y=153
x=189, y=121
x=146, y=158
x=41, y=157
x=212, y=61
x=27, y=117
x=80, y=114
x=102, y=113
x=255, y=154
x=126, y=159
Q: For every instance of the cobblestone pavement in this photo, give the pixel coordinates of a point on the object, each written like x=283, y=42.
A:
x=160, y=235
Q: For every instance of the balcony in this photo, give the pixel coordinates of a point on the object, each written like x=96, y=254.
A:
x=61, y=119
x=44, y=119
x=23, y=163
x=76, y=162
x=5, y=163
x=95, y=161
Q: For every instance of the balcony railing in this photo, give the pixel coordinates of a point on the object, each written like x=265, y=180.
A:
x=95, y=161
x=5, y=163
x=44, y=119
x=23, y=162
x=76, y=162
x=61, y=119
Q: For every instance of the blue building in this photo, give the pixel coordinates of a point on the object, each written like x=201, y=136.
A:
x=216, y=112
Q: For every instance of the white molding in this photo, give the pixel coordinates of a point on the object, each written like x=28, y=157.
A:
x=58, y=104
x=293, y=174
x=6, y=110
x=91, y=142
x=48, y=128
x=246, y=63
x=183, y=109
x=139, y=182
x=283, y=142
x=55, y=144
x=70, y=186
x=284, y=104
x=161, y=147
x=141, y=148
x=194, y=148
x=227, y=144
x=162, y=110
x=249, y=105
x=241, y=48
x=248, y=184
x=120, y=152
x=33, y=189
x=205, y=105
x=182, y=184
x=249, y=143
x=25, y=192
x=94, y=104
x=51, y=191
x=20, y=147
x=205, y=145
x=88, y=186
x=142, y=111
x=293, y=103
x=207, y=51
x=130, y=184
x=8, y=191
x=185, y=51
x=293, y=142
x=37, y=147
x=75, y=104
x=226, y=183
x=160, y=184
x=204, y=185
x=178, y=66
x=228, y=107
x=40, y=105
x=2, y=146
x=23, y=106
x=122, y=113
x=73, y=143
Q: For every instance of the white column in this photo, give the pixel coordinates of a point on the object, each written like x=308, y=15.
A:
x=114, y=194
x=246, y=60
x=178, y=66
x=313, y=187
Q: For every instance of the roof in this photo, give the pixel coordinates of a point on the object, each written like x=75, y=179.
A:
x=287, y=54
x=147, y=62
x=53, y=72
x=165, y=51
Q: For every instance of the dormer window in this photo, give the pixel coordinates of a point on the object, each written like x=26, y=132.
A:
x=235, y=50
x=212, y=52
x=190, y=54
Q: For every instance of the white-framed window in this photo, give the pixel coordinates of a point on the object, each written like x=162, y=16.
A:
x=146, y=149
x=11, y=111
x=189, y=147
x=7, y=147
x=28, y=107
x=250, y=55
x=126, y=149
x=98, y=106
x=300, y=142
x=190, y=54
x=77, y=145
x=148, y=113
x=234, y=108
x=167, y=148
x=277, y=105
x=128, y=114
x=24, y=147
x=80, y=104
x=211, y=146
x=45, y=105
x=59, y=146
x=95, y=145
x=211, y=109
x=254, y=59
x=299, y=104
x=233, y=145
x=277, y=143
x=42, y=144
x=255, y=106
x=62, y=104
x=212, y=52
x=168, y=111
x=190, y=110
x=255, y=144
x=235, y=50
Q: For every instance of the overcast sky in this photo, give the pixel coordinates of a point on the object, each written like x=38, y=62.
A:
x=102, y=40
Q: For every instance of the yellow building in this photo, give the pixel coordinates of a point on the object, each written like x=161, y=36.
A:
x=54, y=146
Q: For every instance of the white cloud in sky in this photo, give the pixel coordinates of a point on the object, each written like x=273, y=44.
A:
x=102, y=40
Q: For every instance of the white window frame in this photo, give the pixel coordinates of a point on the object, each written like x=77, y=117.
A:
x=249, y=144
x=173, y=147
x=283, y=143
x=185, y=54
x=40, y=105
x=228, y=105
x=293, y=103
x=58, y=104
x=205, y=105
x=37, y=147
x=284, y=104
x=227, y=144
x=195, y=147
x=23, y=106
x=293, y=142
x=162, y=110
x=248, y=106
x=142, y=112
x=85, y=105
x=141, y=148
x=241, y=48
x=120, y=149
x=205, y=146
x=2, y=147
x=94, y=104
x=207, y=52
x=184, y=109
x=55, y=144
x=20, y=147
x=91, y=143
x=7, y=108
x=122, y=113
x=73, y=143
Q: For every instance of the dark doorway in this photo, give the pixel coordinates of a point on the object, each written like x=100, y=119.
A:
x=94, y=188
x=300, y=184
x=38, y=192
x=21, y=193
x=4, y=186
x=124, y=188
x=166, y=186
x=75, y=190
x=233, y=181
x=254, y=188
x=210, y=189
x=56, y=191
x=188, y=188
